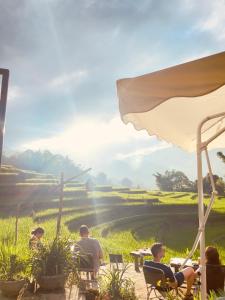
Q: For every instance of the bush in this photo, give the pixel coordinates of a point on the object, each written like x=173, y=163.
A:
x=14, y=262
x=115, y=286
x=53, y=259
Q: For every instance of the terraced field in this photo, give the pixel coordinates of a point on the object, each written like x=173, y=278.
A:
x=121, y=219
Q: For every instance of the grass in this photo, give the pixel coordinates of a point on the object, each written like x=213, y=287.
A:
x=122, y=220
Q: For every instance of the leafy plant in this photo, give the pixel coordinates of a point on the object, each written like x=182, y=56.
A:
x=14, y=262
x=53, y=259
x=115, y=286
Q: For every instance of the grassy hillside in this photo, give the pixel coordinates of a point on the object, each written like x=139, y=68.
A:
x=122, y=219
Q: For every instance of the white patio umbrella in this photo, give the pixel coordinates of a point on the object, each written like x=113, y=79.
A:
x=183, y=105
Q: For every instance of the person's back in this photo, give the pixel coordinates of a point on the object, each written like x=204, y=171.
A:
x=35, y=240
x=166, y=270
x=214, y=278
x=90, y=246
x=214, y=272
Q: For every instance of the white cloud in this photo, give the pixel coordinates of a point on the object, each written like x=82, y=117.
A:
x=87, y=140
x=214, y=21
x=74, y=78
x=14, y=93
x=140, y=153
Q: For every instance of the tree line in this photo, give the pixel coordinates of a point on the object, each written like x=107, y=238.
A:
x=177, y=181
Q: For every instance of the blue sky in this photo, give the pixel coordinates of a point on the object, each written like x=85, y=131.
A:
x=64, y=57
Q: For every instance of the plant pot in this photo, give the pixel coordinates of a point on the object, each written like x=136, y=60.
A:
x=91, y=297
x=11, y=288
x=50, y=283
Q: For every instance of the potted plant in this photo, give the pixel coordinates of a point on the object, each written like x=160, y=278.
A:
x=115, y=286
x=51, y=264
x=14, y=269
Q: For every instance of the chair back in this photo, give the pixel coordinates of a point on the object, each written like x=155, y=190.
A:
x=115, y=260
x=85, y=262
x=154, y=276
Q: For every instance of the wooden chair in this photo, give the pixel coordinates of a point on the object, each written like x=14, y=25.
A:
x=87, y=275
x=116, y=260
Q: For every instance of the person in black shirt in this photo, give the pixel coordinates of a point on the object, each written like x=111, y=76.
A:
x=214, y=271
x=174, y=279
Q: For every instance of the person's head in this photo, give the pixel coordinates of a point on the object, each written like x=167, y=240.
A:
x=38, y=232
x=212, y=256
x=158, y=251
x=84, y=231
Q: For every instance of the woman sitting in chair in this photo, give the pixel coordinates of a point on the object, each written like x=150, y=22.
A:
x=214, y=272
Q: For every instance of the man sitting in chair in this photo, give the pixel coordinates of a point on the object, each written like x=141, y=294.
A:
x=175, y=279
x=91, y=246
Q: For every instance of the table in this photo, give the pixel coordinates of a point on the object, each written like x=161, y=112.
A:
x=176, y=262
x=140, y=254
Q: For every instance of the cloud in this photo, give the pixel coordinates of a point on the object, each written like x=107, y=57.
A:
x=14, y=93
x=65, y=56
x=214, y=21
x=67, y=79
x=140, y=153
x=87, y=140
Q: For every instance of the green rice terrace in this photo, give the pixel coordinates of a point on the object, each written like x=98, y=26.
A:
x=122, y=219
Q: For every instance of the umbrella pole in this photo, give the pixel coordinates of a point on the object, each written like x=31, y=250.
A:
x=201, y=219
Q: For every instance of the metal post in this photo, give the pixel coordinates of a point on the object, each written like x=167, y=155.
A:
x=58, y=226
x=201, y=216
x=3, y=100
x=16, y=223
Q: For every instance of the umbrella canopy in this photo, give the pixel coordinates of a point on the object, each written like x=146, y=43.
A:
x=172, y=102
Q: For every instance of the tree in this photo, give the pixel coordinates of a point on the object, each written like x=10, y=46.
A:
x=101, y=179
x=219, y=185
x=173, y=181
x=126, y=182
x=43, y=162
x=221, y=156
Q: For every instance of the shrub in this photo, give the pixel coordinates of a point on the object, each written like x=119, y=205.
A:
x=115, y=286
x=15, y=263
x=52, y=259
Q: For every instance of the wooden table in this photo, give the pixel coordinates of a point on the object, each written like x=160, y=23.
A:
x=139, y=254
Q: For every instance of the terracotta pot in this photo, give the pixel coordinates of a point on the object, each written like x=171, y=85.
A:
x=11, y=288
x=50, y=283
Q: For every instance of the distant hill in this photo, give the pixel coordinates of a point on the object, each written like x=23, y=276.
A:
x=43, y=162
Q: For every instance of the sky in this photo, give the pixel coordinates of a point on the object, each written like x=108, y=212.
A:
x=64, y=58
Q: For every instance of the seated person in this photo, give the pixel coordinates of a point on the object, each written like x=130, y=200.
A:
x=175, y=279
x=35, y=240
x=214, y=272
x=88, y=245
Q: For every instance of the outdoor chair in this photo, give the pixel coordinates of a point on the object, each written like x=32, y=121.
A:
x=157, y=287
x=86, y=271
x=116, y=260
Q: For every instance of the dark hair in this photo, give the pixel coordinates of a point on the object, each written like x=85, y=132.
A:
x=84, y=229
x=39, y=230
x=155, y=248
x=212, y=256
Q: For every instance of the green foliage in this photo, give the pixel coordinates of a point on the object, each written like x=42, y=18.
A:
x=219, y=185
x=116, y=286
x=15, y=263
x=221, y=156
x=173, y=181
x=52, y=259
x=44, y=162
